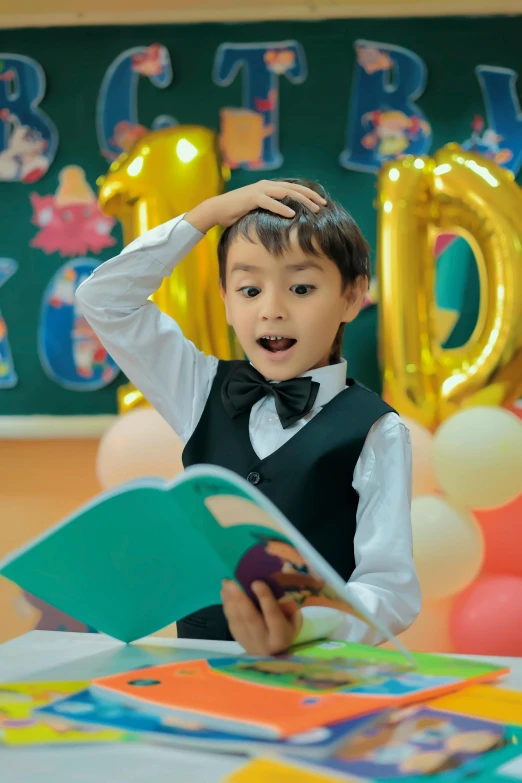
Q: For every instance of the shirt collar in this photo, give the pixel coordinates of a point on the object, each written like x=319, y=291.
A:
x=332, y=380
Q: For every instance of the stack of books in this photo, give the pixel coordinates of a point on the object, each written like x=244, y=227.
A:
x=142, y=556
x=344, y=710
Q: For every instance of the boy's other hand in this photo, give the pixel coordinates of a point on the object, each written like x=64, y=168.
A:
x=268, y=631
x=226, y=209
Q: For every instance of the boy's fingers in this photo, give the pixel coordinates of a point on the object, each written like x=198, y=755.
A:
x=276, y=621
x=245, y=622
x=272, y=205
x=302, y=189
x=253, y=622
x=297, y=195
x=289, y=608
x=231, y=595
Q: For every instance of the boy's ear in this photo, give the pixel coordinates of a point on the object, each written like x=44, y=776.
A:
x=223, y=295
x=354, y=298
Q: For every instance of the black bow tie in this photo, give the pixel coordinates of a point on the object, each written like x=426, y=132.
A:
x=244, y=386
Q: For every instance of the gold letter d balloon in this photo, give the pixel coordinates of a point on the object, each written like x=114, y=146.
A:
x=462, y=193
x=166, y=173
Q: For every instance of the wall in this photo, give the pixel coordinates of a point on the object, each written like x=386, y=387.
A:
x=42, y=481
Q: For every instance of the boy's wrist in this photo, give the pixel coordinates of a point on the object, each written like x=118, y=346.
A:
x=203, y=217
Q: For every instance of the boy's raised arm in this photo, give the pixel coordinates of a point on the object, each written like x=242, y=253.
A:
x=144, y=342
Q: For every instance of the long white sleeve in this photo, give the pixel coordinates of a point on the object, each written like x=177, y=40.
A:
x=145, y=343
x=384, y=579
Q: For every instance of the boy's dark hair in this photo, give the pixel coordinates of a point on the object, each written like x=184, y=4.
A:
x=331, y=232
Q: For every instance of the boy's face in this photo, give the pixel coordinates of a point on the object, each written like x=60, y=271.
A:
x=294, y=297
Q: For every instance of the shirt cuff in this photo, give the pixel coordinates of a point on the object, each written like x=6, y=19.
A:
x=319, y=622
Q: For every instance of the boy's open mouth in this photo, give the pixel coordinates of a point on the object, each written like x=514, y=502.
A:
x=276, y=344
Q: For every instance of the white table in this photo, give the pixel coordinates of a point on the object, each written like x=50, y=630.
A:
x=48, y=655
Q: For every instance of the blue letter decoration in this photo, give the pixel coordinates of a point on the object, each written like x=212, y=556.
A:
x=384, y=123
x=117, y=120
x=250, y=134
x=28, y=138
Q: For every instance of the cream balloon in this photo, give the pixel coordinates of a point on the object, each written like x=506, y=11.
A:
x=140, y=443
x=448, y=547
x=477, y=455
x=424, y=482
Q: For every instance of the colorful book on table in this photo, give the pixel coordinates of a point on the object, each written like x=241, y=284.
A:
x=277, y=697
x=143, y=555
x=484, y=701
x=90, y=708
x=443, y=669
x=22, y=724
x=409, y=744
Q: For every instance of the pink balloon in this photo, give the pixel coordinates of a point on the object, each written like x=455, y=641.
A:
x=486, y=619
x=516, y=408
x=502, y=528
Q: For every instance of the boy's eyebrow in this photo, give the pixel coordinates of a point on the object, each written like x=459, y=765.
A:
x=244, y=268
x=300, y=267
x=304, y=265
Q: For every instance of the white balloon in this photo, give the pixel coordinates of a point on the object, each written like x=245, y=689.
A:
x=448, y=546
x=424, y=481
x=477, y=455
x=139, y=443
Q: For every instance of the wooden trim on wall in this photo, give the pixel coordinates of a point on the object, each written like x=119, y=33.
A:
x=54, y=427
x=248, y=12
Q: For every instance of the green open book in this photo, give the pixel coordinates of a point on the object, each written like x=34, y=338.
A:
x=148, y=553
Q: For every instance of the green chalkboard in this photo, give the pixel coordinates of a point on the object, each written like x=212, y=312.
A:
x=313, y=118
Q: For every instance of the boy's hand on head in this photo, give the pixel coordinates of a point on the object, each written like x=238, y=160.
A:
x=266, y=632
x=267, y=194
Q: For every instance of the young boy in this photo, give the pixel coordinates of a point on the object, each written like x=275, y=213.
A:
x=330, y=454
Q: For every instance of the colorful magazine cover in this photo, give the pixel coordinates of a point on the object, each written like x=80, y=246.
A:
x=275, y=696
x=218, y=697
x=21, y=724
x=443, y=668
x=88, y=707
x=413, y=744
x=484, y=701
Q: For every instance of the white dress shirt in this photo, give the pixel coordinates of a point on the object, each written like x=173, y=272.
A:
x=176, y=379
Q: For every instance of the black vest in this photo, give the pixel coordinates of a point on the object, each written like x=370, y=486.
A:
x=309, y=478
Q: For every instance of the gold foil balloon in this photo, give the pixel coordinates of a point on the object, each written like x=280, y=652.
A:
x=168, y=172
x=454, y=192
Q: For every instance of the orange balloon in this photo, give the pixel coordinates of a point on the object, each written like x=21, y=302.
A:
x=430, y=631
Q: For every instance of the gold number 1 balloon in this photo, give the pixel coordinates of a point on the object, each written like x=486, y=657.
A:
x=168, y=172
x=462, y=193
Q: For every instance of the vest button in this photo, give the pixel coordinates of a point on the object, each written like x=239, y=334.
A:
x=254, y=477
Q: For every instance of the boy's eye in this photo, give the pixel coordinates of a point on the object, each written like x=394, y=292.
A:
x=250, y=291
x=301, y=289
